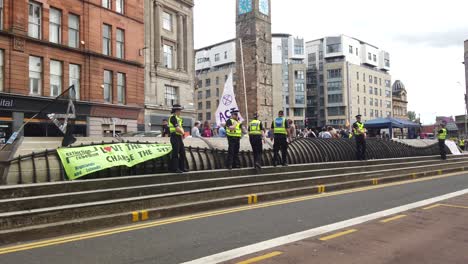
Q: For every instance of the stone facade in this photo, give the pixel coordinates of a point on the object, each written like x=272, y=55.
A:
x=400, y=100
x=18, y=42
x=254, y=29
x=169, y=60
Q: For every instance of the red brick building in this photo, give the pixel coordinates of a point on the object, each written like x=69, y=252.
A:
x=48, y=45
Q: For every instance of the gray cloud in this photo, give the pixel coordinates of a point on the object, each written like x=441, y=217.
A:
x=445, y=39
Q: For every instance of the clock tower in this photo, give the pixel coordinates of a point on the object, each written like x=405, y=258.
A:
x=253, y=27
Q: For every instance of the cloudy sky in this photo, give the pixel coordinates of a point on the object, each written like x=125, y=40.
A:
x=424, y=38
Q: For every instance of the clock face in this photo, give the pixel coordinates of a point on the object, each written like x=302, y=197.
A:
x=245, y=6
x=264, y=7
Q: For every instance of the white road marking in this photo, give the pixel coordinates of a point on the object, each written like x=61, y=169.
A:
x=279, y=241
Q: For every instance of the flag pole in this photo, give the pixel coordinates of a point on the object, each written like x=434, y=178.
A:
x=243, y=78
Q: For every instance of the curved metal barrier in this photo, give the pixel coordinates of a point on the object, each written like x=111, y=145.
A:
x=46, y=167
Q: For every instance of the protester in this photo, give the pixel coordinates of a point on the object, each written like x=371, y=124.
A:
x=196, y=130
x=207, y=132
x=325, y=133
x=292, y=130
x=222, y=130
x=165, y=129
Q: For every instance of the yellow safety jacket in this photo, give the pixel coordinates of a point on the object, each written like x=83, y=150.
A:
x=443, y=135
x=172, y=128
x=462, y=142
x=254, y=127
x=237, y=131
x=359, y=130
x=279, y=126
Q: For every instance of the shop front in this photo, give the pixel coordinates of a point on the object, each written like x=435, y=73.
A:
x=112, y=120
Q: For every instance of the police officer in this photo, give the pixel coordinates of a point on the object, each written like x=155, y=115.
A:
x=280, y=129
x=177, y=133
x=359, y=134
x=234, y=134
x=256, y=134
x=441, y=136
x=462, y=143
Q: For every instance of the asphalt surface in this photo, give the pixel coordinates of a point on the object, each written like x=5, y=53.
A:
x=184, y=241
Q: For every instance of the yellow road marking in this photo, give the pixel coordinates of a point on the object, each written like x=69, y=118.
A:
x=117, y=230
x=338, y=235
x=392, y=218
x=454, y=206
x=135, y=216
x=260, y=258
x=432, y=206
x=144, y=215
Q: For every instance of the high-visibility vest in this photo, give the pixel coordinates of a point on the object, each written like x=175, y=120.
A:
x=462, y=142
x=279, y=126
x=359, y=130
x=172, y=128
x=237, y=132
x=442, y=135
x=254, y=127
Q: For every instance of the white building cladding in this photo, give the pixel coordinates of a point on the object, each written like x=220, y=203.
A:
x=213, y=64
x=346, y=77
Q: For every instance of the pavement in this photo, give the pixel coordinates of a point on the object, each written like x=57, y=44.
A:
x=188, y=238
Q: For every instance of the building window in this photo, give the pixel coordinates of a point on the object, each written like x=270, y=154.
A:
x=299, y=99
x=208, y=116
x=299, y=75
x=55, y=26
x=200, y=106
x=167, y=21
x=376, y=91
x=217, y=57
x=108, y=86
x=207, y=82
x=1, y=69
x=370, y=78
x=73, y=30
x=389, y=104
x=299, y=87
x=358, y=87
x=375, y=58
x=200, y=84
x=121, y=87
x=380, y=81
x=200, y=95
x=107, y=39
x=55, y=78
x=336, y=98
x=225, y=55
x=208, y=104
x=370, y=89
x=74, y=74
x=364, y=77
x=375, y=80
x=107, y=4
x=351, y=49
x=225, y=78
x=387, y=83
x=200, y=116
x=388, y=94
x=387, y=62
x=357, y=76
x=371, y=101
x=35, y=75
x=217, y=80
x=332, y=48
x=208, y=94
x=217, y=92
x=358, y=100
x=120, y=43
x=369, y=56
x=298, y=112
x=335, y=86
x=168, y=56
x=335, y=73
x=298, y=47
x=365, y=100
x=357, y=52
x=35, y=20
x=171, y=95
x=119, y=6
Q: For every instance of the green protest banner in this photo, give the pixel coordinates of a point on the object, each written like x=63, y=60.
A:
x=82, y=161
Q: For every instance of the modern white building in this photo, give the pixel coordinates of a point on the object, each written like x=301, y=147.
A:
x=346, y=77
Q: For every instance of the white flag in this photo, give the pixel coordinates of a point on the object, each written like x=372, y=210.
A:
x=227, y=101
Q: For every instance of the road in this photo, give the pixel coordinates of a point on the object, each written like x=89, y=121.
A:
x=180, y=240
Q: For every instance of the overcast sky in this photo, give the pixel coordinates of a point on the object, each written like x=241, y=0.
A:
x=424, y=38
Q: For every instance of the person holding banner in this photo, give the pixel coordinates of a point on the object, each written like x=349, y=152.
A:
x=177, y=133
x=234, y=134
x=280, y=129
x=256, y=135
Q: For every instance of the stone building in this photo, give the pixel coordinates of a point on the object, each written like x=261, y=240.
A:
x=253, y=30
x=346, y=77
x=399, y=100
x=48, y=45
x=169, y=66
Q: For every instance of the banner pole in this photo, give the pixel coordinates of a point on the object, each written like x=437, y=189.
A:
x=243, y=78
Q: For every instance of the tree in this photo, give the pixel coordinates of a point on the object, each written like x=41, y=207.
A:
x=412, y=115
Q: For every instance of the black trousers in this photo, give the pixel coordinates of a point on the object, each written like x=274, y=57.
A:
x=443, y=154
x=281, y=143
x=233, y=152
x=257, y=148
x=360, y=148
x=178, y=153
